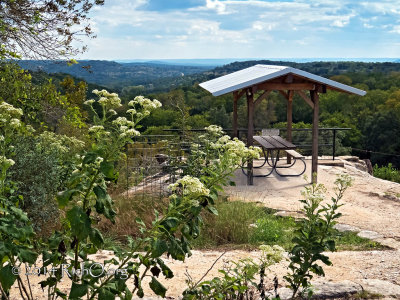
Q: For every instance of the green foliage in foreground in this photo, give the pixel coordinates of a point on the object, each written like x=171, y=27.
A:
x=84, y=201
x=314, y=235
x=387, y=172
x=246, y=225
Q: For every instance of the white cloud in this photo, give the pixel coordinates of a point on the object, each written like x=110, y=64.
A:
x=395, y=29
x=239, y=28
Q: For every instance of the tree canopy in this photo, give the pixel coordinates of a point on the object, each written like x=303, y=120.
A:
x=43, y=28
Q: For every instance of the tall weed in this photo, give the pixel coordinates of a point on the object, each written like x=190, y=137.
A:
x=387, y=172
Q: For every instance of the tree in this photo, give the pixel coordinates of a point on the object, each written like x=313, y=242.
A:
x=43, y=28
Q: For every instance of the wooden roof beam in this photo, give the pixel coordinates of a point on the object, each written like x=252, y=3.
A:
x=286, y=86
x=304, y=96
x=261, y=97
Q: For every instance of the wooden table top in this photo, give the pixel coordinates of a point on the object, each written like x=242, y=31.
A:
x=274, y=142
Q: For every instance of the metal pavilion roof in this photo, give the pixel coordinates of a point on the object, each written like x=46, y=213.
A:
x=261, y=73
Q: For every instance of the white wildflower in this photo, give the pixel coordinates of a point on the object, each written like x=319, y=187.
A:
x=157, y=103
x=96, y=129
x=120, y=121
x=98, y=160
x=89, y=102
x=6, y=161
x=271, y=254
x=190, y=186
x=15, y=123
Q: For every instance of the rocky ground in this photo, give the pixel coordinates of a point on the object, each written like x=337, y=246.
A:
x=371, y=207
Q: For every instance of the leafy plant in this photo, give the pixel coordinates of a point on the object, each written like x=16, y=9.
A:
x=16, y=247
x=314, y=235
x=238, y=279
x=42, y=167
x=85, y=201
x=387, y=172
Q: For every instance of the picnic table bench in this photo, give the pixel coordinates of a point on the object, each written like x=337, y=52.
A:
x=271, y=143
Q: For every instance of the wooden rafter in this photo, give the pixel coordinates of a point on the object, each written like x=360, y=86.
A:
x=304, y=96
x=261, y=97
x=286, y=86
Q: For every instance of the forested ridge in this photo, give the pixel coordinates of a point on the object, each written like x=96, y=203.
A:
x=374, y=118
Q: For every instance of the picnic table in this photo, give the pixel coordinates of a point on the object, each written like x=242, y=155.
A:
x=275, y=143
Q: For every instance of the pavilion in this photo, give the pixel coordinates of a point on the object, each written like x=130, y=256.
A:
x=263, y=79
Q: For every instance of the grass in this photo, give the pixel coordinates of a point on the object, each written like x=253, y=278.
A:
x=244, y=225
x=366, y=295
x=387, y=172
x=128, y=209
x=239, y=225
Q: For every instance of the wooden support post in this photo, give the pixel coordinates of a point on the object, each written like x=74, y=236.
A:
x=250, y=132
x=314, y=163
x=235, y=114
x=289, y=121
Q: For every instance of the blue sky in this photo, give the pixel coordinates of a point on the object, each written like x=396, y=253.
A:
x=170, y=29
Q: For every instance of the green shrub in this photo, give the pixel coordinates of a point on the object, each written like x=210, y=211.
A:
x=42, y=165
x=387, y=172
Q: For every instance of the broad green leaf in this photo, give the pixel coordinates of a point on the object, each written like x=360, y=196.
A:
x=140, y=292
x=107, y=168
x=159, y=247
x=213, y=210
x=78, y=290
x=128, y=294
x=157, y=287
x=170, y=223
x=61, y=294
x=64, y=197
x=96, y=237
x=104, y=203
x=167, y=272
x=105, y=294
x=80, y=222
x=7, y=278
x=28, y=256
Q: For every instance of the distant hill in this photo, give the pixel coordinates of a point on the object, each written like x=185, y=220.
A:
x=322, y=68
x=112, y=74
x=160, y=76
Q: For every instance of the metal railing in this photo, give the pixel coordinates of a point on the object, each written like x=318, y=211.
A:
x=301, y=137
x=152, y=161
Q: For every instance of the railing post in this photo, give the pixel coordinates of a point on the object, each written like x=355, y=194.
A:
x=334, y=144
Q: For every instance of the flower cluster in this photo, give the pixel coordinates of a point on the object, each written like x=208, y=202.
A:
x=238, y=152
x=121, y=127
x=214, y=130
x=314, y=194
x=126, y=127
x=108, y=100
x=189, y=186
x=62, y=143
x=271, y=254
x=6, y=162
x=10, y=116
x=145, y=103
